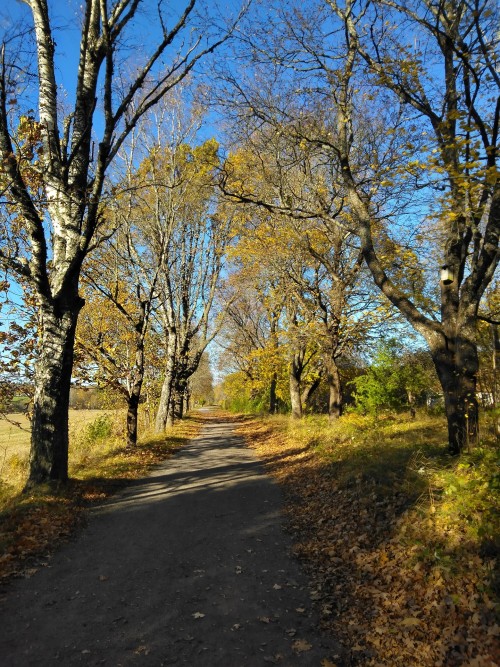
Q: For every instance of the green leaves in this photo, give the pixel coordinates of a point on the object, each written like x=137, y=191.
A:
x=393, y=380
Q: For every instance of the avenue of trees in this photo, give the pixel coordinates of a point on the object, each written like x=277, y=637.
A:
x=336, y=242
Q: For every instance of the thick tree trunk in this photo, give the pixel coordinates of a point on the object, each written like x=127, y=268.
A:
x=309, y=391
x=273, y=400
x=49, y=427
x=132, y=410
x=495, y=358
x=179, y=398
x=335, y=399
x=164, y=416
x=170, y=415
x=134, y=396
x=295, y=397
x=165, y=401
x=457, y=364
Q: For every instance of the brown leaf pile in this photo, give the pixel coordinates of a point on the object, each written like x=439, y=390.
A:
x=30, y=533
x=374, y=588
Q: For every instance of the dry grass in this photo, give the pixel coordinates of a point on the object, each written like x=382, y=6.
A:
x=15, y=440
x=15, y=446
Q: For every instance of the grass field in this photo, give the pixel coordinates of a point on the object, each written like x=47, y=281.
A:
x=15, y=440
x=87, y=429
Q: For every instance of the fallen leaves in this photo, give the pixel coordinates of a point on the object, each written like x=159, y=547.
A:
x=410, y=622
x=30, y=532
x=391, y=595
x=301, y=646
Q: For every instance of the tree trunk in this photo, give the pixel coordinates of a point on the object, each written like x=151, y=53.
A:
x=335, y=397
x=134, y=396
x=179, y=401
x=457, y=365
x=273, y=401
x=309, y=391
x=49, y=427
x=164, y=408
x=132, y=410
x=494, y=366
x=179, y=394
x=295, y=376
x=170, y=415
x=165, y=401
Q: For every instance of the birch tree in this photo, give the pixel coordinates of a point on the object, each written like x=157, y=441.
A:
x=186, y=232
x=72, y=166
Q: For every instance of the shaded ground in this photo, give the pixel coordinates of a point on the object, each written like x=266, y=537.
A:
x=189, y=566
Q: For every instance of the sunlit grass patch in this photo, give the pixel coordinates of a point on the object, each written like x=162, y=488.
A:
x=90, y=432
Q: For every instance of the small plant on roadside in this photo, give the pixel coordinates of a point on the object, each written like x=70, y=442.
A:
x=96, y=437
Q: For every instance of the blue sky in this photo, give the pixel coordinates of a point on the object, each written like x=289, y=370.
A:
x=145, y=31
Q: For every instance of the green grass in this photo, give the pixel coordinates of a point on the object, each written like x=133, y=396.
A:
x=383, y=450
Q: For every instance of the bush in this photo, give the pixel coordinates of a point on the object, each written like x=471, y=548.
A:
x=393, y=381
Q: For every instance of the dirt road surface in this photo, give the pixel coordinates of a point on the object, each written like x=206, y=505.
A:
x=189, y=566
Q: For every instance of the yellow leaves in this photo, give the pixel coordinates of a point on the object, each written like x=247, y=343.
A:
x=455, y=114
x=492, y=174
x=301, y=646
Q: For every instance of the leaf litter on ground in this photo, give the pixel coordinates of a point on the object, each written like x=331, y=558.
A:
x=389, y=581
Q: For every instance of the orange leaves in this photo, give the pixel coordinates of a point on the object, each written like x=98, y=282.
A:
x=33, y=531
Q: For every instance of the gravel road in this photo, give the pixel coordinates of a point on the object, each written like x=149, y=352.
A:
x=189, y=566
